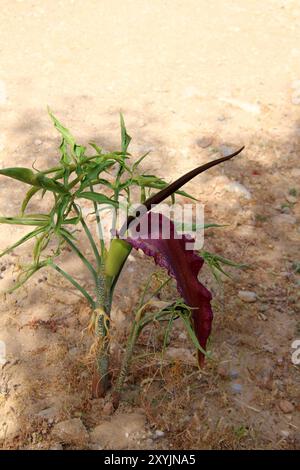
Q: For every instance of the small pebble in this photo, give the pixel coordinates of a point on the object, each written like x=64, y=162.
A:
x=149, y=442
x=108, y=409
x=204, y=142
x=223, y=371
x=158, y=434
x=236, y=388
x=285, y=210
x=37, y=142
x=239, y=189
x=247, y=296
x=286, y=406
x=57, y=446
x=263, y=307
x=291, y=199
x=233, y=374
x=226, y=150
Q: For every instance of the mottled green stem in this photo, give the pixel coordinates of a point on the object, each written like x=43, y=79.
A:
x=101, y=381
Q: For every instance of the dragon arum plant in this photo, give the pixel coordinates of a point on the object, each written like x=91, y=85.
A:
x=104, y=179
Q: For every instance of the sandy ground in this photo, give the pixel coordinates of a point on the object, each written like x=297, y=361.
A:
x=192, y=78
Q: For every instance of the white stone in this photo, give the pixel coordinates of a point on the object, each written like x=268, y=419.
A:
x=117, y=433
x=48, y=413
x=180, y=354
x=291, y=199
x=239, y=189
x=71, y=431
x=117, y=316
x=283, y=219
x=248, y=107
x=247, y=296
x=56, y=446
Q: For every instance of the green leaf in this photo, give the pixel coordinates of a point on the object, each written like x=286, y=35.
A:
x=62, y=130
x=94, y=171
x=215, y=263
x=95, y=146
x=79, y=151
x=22, y=221
x=65, y=158
x=73, y=282
x=21, y=174
x=213, y=225
x=96, y=197
x=185, y=194
x=22, y=240
x=40, y=245
x=186, y=318
x=34, y=179
x=25, y=275
x=194, y=227
x=89, y=235
x=50, y=184
x=125, y=138
x=136, y=164
x=30, y=193
x=66, y=236
x=60, y=209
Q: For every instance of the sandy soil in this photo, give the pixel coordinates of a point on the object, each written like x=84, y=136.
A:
x=193, y=79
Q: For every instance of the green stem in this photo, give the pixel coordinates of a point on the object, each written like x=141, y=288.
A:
x=90, y=237
x=102, y=326
x=99, y=226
